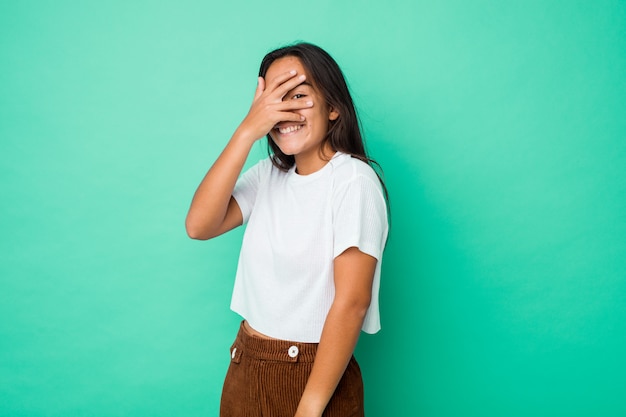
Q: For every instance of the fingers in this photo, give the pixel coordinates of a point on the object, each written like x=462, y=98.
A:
x=289, y=85
x=280, y=78
x=268, y=107
x=284, y=83
x=295, y=104
x=259, y=88
x=288, y=110
x=290, y=117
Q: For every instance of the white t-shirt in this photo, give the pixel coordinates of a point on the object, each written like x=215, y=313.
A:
x=296, y=226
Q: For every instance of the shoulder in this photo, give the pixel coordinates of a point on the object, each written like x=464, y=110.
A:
x=264, y=165
x=348, y=169
x=261, y=169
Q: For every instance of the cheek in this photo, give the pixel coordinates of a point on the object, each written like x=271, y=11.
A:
x=314, y=115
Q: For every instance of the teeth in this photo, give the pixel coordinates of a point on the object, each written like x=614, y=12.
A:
x=289, y=129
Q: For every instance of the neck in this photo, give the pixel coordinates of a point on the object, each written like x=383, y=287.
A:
x=308, y=164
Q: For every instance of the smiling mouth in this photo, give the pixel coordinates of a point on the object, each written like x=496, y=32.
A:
x=288, y=129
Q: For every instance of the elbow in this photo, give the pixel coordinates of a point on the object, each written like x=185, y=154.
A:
x=356, y=307
x=195, y=232
x=197, y=236
x=360, y=310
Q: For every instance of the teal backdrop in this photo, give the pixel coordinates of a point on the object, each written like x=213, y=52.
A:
x=501, y=128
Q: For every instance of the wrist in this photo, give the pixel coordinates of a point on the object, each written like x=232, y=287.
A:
x=242, y=138
x=309, y=408
x=244, y=134
x=306, y=414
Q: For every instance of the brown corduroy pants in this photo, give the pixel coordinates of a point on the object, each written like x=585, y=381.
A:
x=266, y=378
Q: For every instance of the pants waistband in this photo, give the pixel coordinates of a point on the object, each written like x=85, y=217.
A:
x=271, y=349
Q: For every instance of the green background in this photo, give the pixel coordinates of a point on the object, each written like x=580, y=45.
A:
x=501, y=128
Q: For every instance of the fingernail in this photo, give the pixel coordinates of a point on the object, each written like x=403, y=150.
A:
x=301, y=117
x=302, y=77
x=309, y=103
x=292, y=72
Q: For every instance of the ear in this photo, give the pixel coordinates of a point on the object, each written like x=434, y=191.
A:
x=333, y=115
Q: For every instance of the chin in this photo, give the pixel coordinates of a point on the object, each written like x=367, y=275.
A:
x=289, y=152
x=285, y=148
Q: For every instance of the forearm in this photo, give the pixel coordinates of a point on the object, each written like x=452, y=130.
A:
x=210, y=201
x=210, y=214
x=339, y=337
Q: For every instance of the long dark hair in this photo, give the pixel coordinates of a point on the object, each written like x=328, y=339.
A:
x=344, y=133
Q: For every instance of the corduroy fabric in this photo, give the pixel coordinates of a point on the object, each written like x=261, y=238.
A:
x=267, y=377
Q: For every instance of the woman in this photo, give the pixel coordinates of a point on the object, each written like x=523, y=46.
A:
x=309, y=269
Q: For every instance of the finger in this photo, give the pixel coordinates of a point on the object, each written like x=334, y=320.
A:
x=288, y=85
x=281, y=78
x=260, y=87
x=294, y=105
x=290, y=117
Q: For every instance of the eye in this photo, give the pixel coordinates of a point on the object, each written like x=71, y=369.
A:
x=298, y=96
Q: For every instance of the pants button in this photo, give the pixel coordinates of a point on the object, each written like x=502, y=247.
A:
x=293, y=351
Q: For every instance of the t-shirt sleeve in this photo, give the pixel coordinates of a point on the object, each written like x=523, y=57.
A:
x=247, y=187
x=360, y=218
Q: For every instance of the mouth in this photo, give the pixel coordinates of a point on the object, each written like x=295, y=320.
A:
x=286, y=129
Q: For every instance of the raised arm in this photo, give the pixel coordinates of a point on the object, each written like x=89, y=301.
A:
x=213, y=210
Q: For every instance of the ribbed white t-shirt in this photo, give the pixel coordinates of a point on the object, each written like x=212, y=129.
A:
x=296, y=226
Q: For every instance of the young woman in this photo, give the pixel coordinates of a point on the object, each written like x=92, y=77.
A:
x=309, y=269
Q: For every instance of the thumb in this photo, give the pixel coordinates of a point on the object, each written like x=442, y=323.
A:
x=259, y=88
